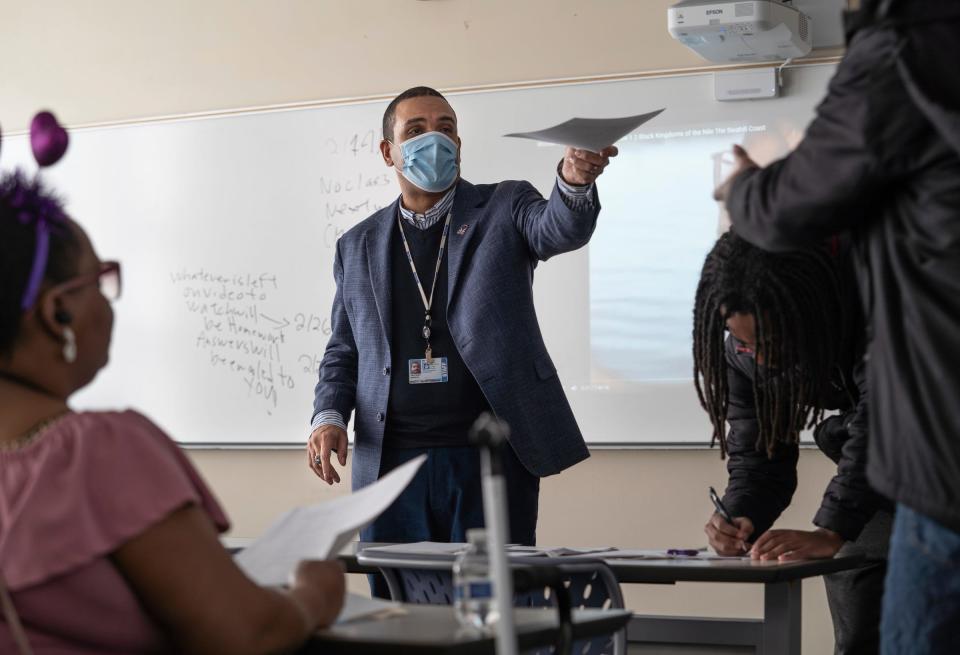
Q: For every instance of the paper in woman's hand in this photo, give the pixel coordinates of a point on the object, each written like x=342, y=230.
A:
x=321, y=531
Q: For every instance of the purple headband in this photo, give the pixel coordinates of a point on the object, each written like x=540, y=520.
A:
x=49, y=141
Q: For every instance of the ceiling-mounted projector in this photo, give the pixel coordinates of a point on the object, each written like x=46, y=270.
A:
x=740, y=31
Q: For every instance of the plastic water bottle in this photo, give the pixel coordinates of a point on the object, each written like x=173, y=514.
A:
x=473, y=584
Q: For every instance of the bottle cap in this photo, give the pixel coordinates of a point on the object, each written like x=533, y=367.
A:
x=476, y=535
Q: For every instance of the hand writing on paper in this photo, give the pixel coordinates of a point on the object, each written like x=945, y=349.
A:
x=325, y=439
x=789, y=545
x=743, y=162
x=582, y=167
x=726, y=539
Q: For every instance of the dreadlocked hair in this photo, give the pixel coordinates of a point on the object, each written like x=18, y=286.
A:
x=796, y=299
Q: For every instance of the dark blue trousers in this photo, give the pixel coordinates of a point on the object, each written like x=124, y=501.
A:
x=921, y=599
x=444, y=500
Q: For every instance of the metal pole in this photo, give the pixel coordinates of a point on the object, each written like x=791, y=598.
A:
x=490, y=434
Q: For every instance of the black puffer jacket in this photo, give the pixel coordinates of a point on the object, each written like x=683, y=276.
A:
x=761, y=486
x=882, y=158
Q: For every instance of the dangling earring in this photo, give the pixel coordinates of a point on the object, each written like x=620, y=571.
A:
x=69, y=346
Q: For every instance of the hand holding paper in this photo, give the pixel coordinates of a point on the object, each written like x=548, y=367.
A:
x=593, y=134
x=320, y=588
x=589, y=143
x=320, y=531
x=582, y=167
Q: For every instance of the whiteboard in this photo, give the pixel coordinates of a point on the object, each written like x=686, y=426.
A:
x=226, y=227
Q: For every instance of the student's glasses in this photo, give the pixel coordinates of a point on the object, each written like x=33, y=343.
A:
x=107, y=278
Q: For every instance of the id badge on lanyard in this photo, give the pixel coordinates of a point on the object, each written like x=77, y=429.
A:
x=421, y=371
x=430, y=369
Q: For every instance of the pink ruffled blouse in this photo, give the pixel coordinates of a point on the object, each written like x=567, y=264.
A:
x=88, y=484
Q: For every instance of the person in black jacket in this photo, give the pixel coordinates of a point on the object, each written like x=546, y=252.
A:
x=775, y=347
x=882, y=157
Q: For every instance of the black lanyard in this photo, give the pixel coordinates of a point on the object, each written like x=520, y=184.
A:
x=427, y=302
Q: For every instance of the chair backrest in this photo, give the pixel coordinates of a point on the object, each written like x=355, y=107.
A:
x=421, y=586
x=590, y=584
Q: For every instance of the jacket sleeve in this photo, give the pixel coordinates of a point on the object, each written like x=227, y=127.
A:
x=337, y=387
x=760, y=487
x=850, y=150
x=848, y=502
x=552, y=227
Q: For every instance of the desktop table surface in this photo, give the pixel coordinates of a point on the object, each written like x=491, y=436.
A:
x=434, y=630
x=665, y=571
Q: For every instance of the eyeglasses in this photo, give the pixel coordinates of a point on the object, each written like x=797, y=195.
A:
x=108, y=279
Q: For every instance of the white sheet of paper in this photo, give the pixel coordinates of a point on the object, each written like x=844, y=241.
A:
x=591, y=134
x=418, y=548
x=360, y=607
x=644, y=553
x=320, y=531
x=596, y=552
x=439, y=549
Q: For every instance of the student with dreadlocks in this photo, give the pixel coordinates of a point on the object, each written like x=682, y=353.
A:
x=774, y=349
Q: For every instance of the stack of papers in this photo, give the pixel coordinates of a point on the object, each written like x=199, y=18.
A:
x=653, y=554
x=442, y=550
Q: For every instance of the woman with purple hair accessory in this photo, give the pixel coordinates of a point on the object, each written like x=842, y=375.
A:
x=108, y=535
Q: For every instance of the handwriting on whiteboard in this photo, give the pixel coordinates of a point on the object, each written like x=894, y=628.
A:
x=238, y=331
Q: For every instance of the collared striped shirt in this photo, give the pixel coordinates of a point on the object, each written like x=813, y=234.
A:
x=432, y=215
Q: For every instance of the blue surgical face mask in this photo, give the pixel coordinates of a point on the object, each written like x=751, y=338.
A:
x=430, y=161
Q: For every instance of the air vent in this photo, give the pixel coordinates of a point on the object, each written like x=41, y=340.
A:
x=743, y=9
x=803, y=27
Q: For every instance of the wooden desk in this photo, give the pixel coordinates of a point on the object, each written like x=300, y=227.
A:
x=433, y=630
x=777, y=633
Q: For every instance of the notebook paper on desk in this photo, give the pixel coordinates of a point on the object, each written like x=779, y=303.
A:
x=417, y=548
x=428, y=548
x=444, y=550
x=654, y=554
x=357, y=607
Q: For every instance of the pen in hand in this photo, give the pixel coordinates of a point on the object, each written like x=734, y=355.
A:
x=743, y=528
x=718, y=505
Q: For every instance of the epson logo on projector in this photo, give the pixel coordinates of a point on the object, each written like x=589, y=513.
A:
x=771, y=30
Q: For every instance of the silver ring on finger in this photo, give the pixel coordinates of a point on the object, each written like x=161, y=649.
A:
x=317, y=460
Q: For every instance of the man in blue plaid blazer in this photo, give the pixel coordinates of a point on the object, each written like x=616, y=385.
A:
x=433, y=322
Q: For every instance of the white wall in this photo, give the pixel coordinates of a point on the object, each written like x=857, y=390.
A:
x=109, y=60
